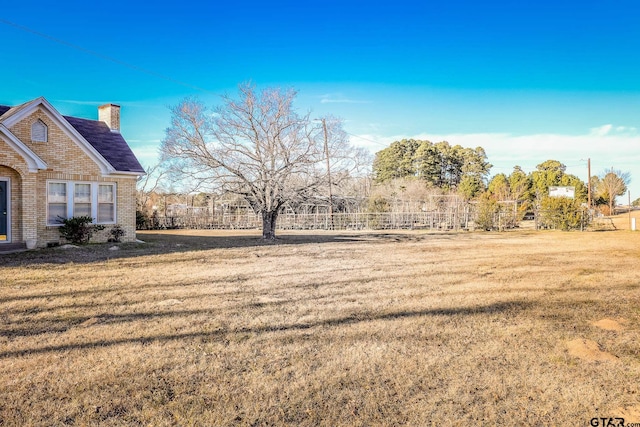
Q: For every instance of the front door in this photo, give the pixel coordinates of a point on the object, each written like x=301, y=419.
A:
x=4, y=211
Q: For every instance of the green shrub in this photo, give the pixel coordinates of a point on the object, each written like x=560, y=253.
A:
x=116, y=232
x=562, y=213
x=142, y=220
x=78, y=229
x=378, y=204
x=487, y=212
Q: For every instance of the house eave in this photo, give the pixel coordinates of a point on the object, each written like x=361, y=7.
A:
x=34, y=162
x=105, y=167
x=127, y=174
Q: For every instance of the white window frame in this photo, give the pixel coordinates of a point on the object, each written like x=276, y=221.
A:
x=97, y=199
x=75, y=201
x=49, y=202
x=45, y=128
x=94, y=200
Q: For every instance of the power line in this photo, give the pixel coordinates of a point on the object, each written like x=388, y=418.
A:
x=100, y=55
x=367, y=139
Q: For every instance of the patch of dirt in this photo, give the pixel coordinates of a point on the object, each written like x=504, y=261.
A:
x=609, y=324
x=588, y=350
x=631, y=414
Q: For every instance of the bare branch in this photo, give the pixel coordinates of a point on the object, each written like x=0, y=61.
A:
x=256, y=146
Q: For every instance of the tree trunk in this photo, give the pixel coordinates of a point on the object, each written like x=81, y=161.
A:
x=269, y=224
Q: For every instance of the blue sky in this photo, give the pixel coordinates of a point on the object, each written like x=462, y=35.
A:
x=528, y=82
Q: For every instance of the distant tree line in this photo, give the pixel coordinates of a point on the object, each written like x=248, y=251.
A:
x=451, y=168
x=464, y=171
x=530, y=193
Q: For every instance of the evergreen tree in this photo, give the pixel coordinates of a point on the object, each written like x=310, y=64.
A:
x=438, y=165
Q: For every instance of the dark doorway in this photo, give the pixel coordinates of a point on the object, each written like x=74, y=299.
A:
x=4, y=205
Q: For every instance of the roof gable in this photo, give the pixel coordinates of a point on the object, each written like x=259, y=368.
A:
x=34, y=162
x=109, y=149
x=10, y=111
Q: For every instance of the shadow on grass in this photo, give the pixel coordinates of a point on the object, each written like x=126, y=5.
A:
x=106, y=292
x=505, y=307
x=180, y=241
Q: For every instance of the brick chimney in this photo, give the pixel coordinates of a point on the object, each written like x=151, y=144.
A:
x=110, y=114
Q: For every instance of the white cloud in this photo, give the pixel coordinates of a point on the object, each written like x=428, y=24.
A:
x=610, y=129
x=626, y=129
x=601, y=130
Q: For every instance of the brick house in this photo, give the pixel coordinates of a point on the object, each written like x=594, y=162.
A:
x=55, y=166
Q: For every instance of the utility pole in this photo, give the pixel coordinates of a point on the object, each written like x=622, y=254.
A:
x=589, y=181
x=326, y=153
x=630, y=221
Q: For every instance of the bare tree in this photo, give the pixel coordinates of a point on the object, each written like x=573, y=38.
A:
x=258, y=147
x=612, y=183
x=149, y=183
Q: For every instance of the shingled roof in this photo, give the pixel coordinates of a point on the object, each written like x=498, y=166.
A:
x=111, y=145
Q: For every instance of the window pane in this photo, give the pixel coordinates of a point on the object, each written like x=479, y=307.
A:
x=105, y=212
x=57, y=192
x=57, y=202
x=106, y=203
x=82, y=209
x=105, y=194
x=56, y=210
x=82, y=193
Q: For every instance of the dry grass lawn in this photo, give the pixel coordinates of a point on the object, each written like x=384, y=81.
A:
x=333, y=329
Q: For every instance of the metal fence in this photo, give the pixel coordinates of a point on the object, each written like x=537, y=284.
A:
x=461, y=218
x=452, y=220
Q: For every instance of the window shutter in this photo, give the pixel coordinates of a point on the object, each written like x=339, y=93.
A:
x=39, y=131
